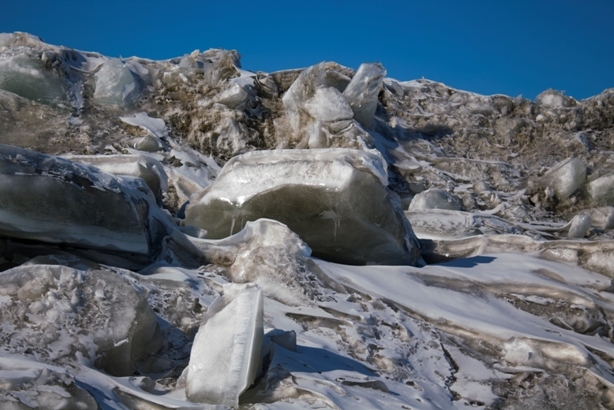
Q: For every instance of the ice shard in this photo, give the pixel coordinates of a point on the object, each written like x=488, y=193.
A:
x=336, y=200
x=225, y=357
x=363, y=90
x=116, y=84
x=565, y=177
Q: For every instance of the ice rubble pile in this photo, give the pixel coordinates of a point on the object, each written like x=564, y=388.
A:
x=194, y=244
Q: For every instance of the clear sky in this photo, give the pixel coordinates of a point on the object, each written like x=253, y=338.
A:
x=486, y=46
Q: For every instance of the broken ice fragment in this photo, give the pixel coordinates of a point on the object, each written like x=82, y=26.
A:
x=116, y=84
x=54, y=200
x=565, y=177
x=601, y=190
x=225, y=357
x=336, y=200
x=434, y=198
x=579, y=225
x=363, y=90
x=27, y=77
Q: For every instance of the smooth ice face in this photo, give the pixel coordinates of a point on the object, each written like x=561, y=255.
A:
x=565, y=177
x=94, y=318
x=116, y=84
x=225, y=357
x=54, y=200
x=27, y=77
x=579, y=225
x=336, y=200
x=434, y=199
x=363, y=90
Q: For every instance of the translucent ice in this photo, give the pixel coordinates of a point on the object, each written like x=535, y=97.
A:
x=601, y=190
x=363, y=90
x=146, y=168
x=336, y=200
x=565, y=177
x=73, y=316
x=54, y=200
x=225, y=357
x=116, y=84
x=579, y=225
x=434, y=199
x=27, y=76
x=265, y=252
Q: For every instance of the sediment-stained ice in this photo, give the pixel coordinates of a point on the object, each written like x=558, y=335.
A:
x=225, y=357
x=64, y=316
x=336, y=200
x=513, y=311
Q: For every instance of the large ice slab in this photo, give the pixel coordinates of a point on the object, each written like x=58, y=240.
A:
x=93, y=318
x=336, y=200
x=225, y=357
x=51, y=199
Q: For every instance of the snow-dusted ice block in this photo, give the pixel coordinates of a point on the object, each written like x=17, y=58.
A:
x=93, y=318
x=116, y=84
x=225, y=357
x=336, y=200
x=434, y=198
x=27, y=77
x=363, y=90
x=51, y=199
x=565, y=177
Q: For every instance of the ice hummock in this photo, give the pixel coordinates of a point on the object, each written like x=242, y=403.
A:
x=225, y=357
x=336, y=200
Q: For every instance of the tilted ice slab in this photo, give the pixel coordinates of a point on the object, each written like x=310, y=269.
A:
x=225, y=357
x=148, y=169
x=51, y=199
x=74, y=317
x=336, y=200
x=565, y=177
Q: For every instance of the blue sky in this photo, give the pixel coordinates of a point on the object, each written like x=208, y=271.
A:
x=487, y=46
